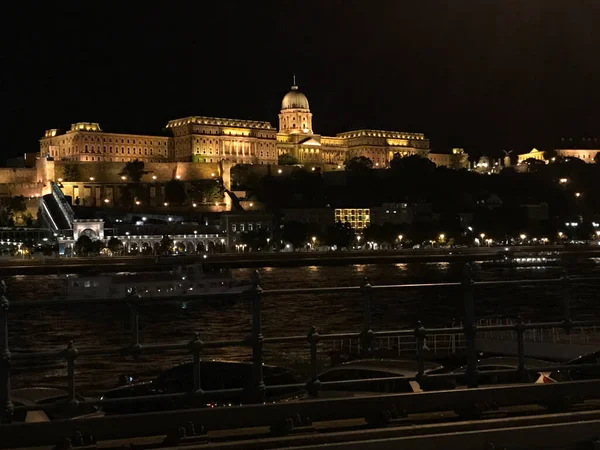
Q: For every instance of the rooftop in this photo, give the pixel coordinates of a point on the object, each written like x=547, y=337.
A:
x=202, y=120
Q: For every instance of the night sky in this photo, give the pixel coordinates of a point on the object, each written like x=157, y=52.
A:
x=486, y=75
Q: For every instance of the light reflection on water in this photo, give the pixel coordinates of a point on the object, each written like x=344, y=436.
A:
x=50, y=328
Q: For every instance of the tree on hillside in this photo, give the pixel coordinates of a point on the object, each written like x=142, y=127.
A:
x=206, y=191
x=533, y=165
x=413, y=164
x=296, y=233
x=340, y=235
x=286, y=160
x=550, y=154
x=134, y=171
x=175, y=192
x=597, y=158
x=358, y=164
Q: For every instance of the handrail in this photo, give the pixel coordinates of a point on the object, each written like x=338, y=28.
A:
x=257, y=390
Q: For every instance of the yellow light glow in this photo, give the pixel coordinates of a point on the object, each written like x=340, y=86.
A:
x=523, y=236
x=60, y=180
x=123, y=177
x=194, y=205
x=577, y=194
x=92, y=178
x=154, y=177
x=166, y=204
x=279, y=171
x=178, y=176
x=106, y=200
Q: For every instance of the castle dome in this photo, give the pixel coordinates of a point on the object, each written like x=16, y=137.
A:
x=294, y=99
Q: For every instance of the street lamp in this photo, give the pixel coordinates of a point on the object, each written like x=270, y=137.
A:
x=106, y=200
x=279, y=171
x=137, y=202
x=166, y=204
x=577, y=194
x=523, y=236
x=563, y=181
x=123, y=178
x=194, y=205
x=314, y=239
x=442, y=236
x=482, y=235
x=154, y=177
x=92, y=178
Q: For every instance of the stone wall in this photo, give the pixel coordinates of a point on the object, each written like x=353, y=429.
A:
x=17, y=175
x=108, y=172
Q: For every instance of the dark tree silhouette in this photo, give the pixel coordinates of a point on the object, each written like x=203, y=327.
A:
x=286, y=160
x=175, y=192
x=359, y=164
x=134, y=170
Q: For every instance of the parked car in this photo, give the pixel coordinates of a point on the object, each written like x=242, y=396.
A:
x=579, y=373
x=512, y=377
x=43, y=397
x=376, y=369
x=215, y=375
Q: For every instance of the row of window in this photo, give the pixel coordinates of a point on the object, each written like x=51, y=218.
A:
x=241, y=227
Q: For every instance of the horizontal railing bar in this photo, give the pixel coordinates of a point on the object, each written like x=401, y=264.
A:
x=247, y=416
x=324, y=290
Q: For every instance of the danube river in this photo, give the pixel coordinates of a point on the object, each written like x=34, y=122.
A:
x=50, y=328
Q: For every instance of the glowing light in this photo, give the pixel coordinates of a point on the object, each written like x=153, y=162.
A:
x=313, y=169
x=314, y=239
x=194, y=205
x=400, y=237
x=212, y=174
x=279, y=171
x=442, y=236
x=523, y=236
x=154, y=177
x=137, y=202
x=563, y=180
x=166, y=204
x=144, y=218
x=251, y=205
x=178, y=176
x=560, y=234
x=106, y=200
x=123, y=177
x=482, y=235
x=60, y=180
x=92, y=178
x=577, y=194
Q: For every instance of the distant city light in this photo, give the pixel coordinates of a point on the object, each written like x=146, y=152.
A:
x=170, y=219
x=60, y=180
x=482, y=235
x=560, y=234
x=144, y=218
x=470, y=228
x=400, y=237
x=212, y=174
x=166, y=204
x=313, y=169
x=123, y=177
x=251, y=204
x=339, y=167
x=279, y=171
x=106, y=200
x=92, y=178
x=154, y=177
x=137, y=202
x=194, y=205
x=287, y=245
x=178, y=176
x=523, y=236
x=314, y=239
x=442, y=236
x=563, y=180
x=577, y=194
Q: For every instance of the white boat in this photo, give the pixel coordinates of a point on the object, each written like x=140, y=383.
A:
x=189, y=281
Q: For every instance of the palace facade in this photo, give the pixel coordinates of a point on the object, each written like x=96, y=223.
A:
x=211, y=140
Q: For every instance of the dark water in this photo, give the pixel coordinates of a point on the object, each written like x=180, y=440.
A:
x=51, y=328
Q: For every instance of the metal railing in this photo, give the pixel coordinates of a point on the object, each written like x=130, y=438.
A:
x=257, y=390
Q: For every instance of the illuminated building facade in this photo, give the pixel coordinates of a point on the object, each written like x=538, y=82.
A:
x=86, y=141
x=358, y=218
x=211, y=140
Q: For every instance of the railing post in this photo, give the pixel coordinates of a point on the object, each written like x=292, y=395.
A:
x=133, y=299
x=420, y=337
x=520, y=329
x=195, y=346
x=257, y=340
x=567, y=294
x=366, y=336
x=470, y=328
x=70, y=354
x=6, y=406
x=314, y=384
